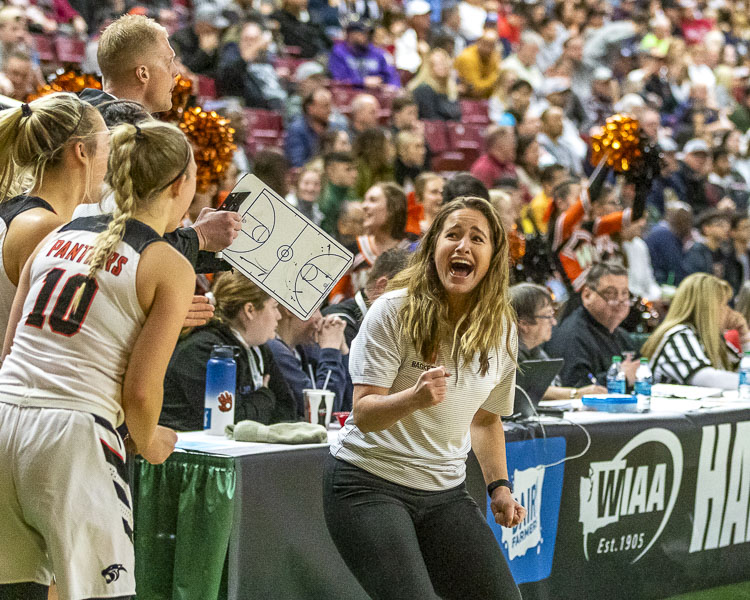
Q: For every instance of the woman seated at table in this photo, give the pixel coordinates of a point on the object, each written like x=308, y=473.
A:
x=536, y=317
x=688, y=348
x=246, y=318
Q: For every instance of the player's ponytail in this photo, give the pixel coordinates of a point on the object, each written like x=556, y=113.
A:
x=33, y=136
x=144, y=160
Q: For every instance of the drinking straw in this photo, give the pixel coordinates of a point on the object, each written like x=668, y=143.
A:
x=325, y=385
x=312, y=376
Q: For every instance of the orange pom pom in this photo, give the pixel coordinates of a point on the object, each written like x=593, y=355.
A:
x=66, y=81
x=618, y=142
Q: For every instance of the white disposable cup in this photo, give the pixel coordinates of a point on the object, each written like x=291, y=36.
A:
x=315, y=401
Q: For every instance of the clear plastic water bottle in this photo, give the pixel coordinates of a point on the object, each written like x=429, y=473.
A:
x=616, y=377
x=221, y=383
x=744, y=389
x=643, y=381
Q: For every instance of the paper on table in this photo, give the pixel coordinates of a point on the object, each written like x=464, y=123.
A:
x=690, y=392
x=281, y=251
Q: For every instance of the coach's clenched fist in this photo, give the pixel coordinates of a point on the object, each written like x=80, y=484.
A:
x=430, y=387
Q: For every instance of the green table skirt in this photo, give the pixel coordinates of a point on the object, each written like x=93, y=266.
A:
x=190, y=497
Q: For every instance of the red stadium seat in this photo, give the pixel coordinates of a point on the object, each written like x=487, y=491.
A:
x=206, y=87
x=45, y=47
x=343, y=96
x=259, y=120
x=69, y=50
x=467, y=135
x=451, y=162
x=475, y=111
x=436, y=136
x=286, y=66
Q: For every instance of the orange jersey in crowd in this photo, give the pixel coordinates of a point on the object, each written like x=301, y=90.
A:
x=580, y=243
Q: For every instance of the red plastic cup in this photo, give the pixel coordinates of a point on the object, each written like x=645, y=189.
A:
x=342, y=417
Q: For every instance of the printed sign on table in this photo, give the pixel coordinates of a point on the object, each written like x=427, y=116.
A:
x=530, y=546
x=281, y=251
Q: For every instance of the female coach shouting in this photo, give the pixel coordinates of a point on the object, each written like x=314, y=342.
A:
x=433, y=363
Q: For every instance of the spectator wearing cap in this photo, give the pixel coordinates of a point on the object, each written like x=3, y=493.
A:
x=553, y=143
x=435, y=90
x=356, y=61
x=523, y=62
x=478, y=66
x=198, y=44
x=309, y=76
x=411, y=45
x=498, y=161
x=297, y=30
x=600, y=104
x=707, y=255
x=689, y=182
x=245, y=71
x=303, y=134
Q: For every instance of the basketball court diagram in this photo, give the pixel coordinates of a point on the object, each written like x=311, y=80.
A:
x=281, y=251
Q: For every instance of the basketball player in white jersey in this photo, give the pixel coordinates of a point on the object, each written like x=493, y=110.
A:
x=98, y=311
x=56, y=147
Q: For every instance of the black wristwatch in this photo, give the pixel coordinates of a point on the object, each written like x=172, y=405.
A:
x=491, y=487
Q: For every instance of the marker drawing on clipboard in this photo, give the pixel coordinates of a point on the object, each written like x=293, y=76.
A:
x=281, y=251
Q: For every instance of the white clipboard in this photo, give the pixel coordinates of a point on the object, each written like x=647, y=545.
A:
x=280, y=250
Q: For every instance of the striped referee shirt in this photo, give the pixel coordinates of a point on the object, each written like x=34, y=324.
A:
x=427, y=449
x=681, y=355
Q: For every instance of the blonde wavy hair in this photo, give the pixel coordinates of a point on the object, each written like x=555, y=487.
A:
x=698, y=302
x=427, y=75
x=424, y=317
x=144, y=161
x=232, y=291
x=32, y=142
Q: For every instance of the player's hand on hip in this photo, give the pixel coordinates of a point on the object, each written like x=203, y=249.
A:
x=507, y=511
x=200, y=311
x=162, y=445
x=430, y=387
x=217, y=229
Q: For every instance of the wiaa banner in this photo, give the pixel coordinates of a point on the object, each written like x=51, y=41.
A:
x=657, y=507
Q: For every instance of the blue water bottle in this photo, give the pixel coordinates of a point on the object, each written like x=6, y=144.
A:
x=221, y=384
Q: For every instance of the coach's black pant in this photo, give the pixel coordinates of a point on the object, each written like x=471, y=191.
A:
x=407, y=544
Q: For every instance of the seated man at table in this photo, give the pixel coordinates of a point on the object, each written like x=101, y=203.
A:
x=591, y=335
x=536, y=318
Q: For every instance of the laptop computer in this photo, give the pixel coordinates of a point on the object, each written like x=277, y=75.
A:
x=534, y=377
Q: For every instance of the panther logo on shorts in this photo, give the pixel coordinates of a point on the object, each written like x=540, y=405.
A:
x=112, y=572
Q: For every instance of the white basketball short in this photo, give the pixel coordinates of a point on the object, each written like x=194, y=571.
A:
x=65, y=506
